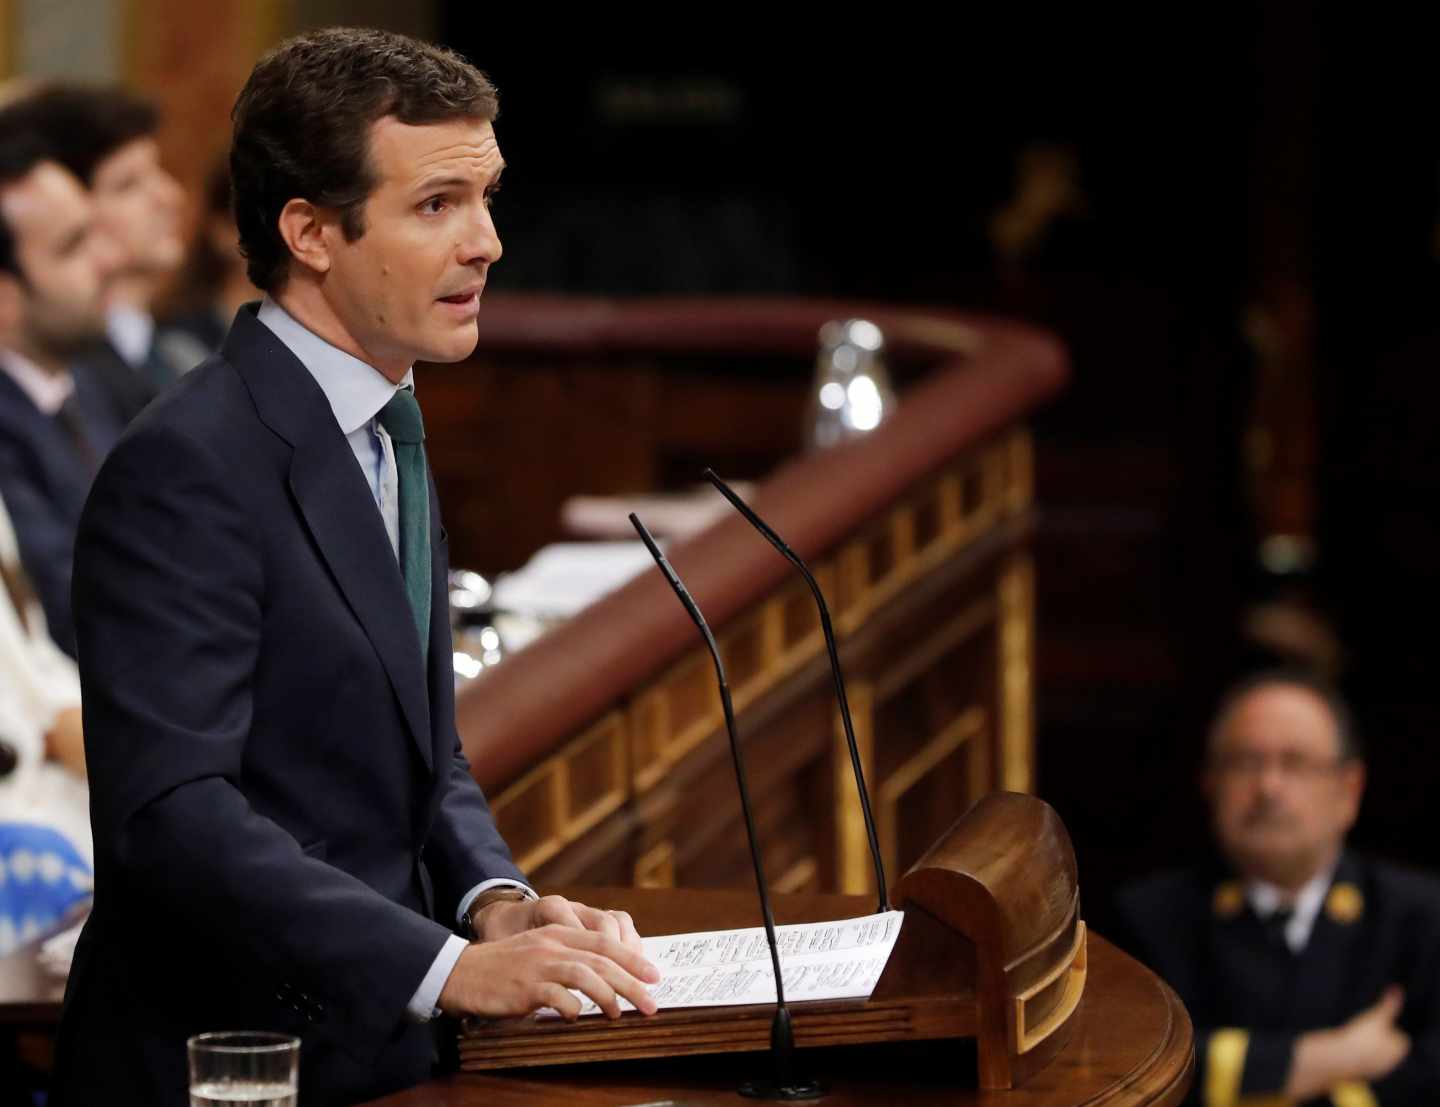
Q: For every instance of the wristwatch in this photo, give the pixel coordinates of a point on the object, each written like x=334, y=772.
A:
x=508, y=894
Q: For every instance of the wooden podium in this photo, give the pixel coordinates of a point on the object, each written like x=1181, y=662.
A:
x=992, y=952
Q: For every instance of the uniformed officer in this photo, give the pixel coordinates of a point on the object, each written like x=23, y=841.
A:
x=1312, y=974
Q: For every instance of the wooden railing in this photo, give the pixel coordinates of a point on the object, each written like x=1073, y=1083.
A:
x=601, y=745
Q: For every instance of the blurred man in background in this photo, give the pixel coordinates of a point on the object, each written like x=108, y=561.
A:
x=55, y=421
x=213, y=284
x=1310, y=972
x=105, y=136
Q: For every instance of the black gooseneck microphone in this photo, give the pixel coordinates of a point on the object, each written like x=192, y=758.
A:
x=786, y=1085
x=794, y=559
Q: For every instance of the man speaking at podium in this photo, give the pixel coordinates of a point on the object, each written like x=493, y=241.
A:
x=281, y=807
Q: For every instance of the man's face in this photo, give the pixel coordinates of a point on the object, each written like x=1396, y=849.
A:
x=142, y=207
x=66, y=260
x=1281, y=798
x=408, y=289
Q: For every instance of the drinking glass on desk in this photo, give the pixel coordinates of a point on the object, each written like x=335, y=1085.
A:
x=244, y=1067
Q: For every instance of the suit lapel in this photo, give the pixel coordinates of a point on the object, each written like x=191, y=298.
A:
x=1323, y=994
x=338, y=510
x=66, y=477
x=351, y=537
x=1249, y=974
x=100, y=422
x=441, y=653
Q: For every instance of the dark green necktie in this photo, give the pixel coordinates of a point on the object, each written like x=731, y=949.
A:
x=401, y=420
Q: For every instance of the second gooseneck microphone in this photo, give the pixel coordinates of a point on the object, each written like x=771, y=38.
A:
x=791, y=556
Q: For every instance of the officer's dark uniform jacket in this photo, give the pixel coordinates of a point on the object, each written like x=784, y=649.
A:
x=1250, y=997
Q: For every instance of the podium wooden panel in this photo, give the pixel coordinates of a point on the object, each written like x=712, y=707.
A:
x=1131, y=1044
x=992, y=949
x=992, y=958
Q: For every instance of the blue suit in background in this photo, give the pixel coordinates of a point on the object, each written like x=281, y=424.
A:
x=44, y=478
x=280, y=804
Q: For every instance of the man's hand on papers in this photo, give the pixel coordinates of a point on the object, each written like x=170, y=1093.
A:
x=508, y=918
x=538, y=967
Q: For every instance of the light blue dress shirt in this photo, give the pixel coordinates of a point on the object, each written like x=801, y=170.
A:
x=357, y=392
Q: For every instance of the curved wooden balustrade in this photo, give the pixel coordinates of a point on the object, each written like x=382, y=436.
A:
x=596, y=743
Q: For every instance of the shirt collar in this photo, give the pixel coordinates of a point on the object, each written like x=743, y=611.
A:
x=47, y=391
x=132, y=333
x=356, y=391
x=1266, y=898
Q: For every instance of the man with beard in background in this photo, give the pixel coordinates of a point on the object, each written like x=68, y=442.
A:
x=1311, y=973
x=106, y=136
x=55, y=421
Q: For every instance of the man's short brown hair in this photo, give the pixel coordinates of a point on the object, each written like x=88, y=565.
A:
x=1349, y=746
x=21, y=150
x=302, y=127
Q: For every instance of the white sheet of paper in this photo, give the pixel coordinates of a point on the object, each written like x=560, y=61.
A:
x=725, y=968
x=563, y=579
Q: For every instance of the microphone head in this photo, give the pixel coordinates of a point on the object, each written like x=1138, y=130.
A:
x=728, y=492
x=645, y=535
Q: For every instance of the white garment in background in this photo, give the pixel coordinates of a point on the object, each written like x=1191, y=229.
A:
x=132, y=333
x=37, y=682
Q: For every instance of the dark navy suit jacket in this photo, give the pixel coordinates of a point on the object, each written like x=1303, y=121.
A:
x=280, y=803
x=125, y=389
x=44, y=480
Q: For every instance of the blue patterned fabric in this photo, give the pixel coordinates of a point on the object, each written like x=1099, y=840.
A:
x=42, y=876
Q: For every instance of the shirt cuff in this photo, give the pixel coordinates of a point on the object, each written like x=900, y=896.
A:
x=484, y=886
x=422, y=1006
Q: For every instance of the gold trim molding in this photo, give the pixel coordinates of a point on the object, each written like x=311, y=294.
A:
x=1017, y=623
x=854, y=873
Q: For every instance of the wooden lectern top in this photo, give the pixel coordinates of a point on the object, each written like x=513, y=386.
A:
x=992, y=949
x=1131, y=1043
x=985, y=985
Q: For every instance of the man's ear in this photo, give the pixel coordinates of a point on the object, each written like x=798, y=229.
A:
x=303, y=227
x=1352, y=789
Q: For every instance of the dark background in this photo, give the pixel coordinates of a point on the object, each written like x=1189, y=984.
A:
x=1260, y=164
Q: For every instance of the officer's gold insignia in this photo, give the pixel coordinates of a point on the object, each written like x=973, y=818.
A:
x=1229, y=899
x=1345, y=904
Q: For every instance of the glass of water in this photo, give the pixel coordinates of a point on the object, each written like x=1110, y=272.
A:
x=244, y=1067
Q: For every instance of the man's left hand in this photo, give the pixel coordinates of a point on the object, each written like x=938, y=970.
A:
x=508, y=917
